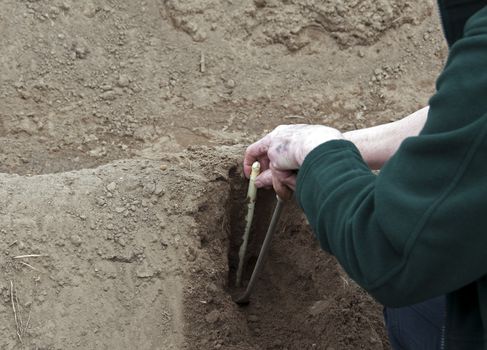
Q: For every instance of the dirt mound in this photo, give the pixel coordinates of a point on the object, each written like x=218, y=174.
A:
x=112, y=257
x=294, y=23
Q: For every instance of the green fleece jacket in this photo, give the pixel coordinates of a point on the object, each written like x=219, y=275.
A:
x=419, y=228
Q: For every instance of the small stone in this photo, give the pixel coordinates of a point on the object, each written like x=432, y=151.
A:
x=25, y=95
x=213, y=316
x=373, y=340
x=190, y=254
x=149, y=188
x=65, y=6
x=162, y=223
x=112, y=186
x=212, y=288
x=319, y=307
x=253, y=318
x=54, y=10
x=159, y=190
x=144, y=270
x=230, y=83
x=199, y=36
x=90, y=10
x=119, y=209
x=123, y=80
x=108, y=95
x=106, y=87
x=80, y=51
x=278, y=343
x=189, y=27
x=76, y=240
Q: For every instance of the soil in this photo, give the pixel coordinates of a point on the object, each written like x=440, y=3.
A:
x=122, y=127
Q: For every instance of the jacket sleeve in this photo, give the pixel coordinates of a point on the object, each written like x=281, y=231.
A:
x=419, y=228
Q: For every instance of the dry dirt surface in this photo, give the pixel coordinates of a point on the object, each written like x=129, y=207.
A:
x=122, y=127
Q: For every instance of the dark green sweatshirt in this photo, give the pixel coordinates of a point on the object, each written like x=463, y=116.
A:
x=419, y=228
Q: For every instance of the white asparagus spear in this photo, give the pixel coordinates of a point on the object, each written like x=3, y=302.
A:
x=251, y=197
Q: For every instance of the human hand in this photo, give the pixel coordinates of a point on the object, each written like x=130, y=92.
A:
x=282, y=152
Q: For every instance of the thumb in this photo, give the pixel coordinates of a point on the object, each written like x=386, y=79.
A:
x=279, y=182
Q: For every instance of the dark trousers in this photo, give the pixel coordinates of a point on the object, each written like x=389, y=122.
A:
x=416, y=327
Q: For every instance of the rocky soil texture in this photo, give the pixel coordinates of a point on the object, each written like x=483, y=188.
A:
x=122, y=127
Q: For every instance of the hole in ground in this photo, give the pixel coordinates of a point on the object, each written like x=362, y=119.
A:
x=302, y=300
x=237, y=210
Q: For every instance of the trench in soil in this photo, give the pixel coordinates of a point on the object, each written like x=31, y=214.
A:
x=301, y=300
x=237, y=212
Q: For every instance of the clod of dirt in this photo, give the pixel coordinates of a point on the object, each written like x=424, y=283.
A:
x=213, y=316
x=123, y=80
x=260, y=3
x=80, y=50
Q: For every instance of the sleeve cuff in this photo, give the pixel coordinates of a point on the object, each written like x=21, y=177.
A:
x=324, y=182
x=318, y=155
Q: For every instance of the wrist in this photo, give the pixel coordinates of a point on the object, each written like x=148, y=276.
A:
x=310, y=145
x=304, y=151
x=368, y=142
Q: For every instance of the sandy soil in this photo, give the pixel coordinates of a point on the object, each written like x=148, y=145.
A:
x=122, y=125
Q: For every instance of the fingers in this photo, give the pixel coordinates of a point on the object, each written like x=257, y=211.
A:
x=264, y=179
x=284, y=183
x=288, y=178
x=282, y=190
x=256, y=152
x=290, y=181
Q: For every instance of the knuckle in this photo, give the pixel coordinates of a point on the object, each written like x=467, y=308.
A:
x=263, y=149
x=280, y=128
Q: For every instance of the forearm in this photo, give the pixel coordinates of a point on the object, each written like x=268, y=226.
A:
x=377, y=144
